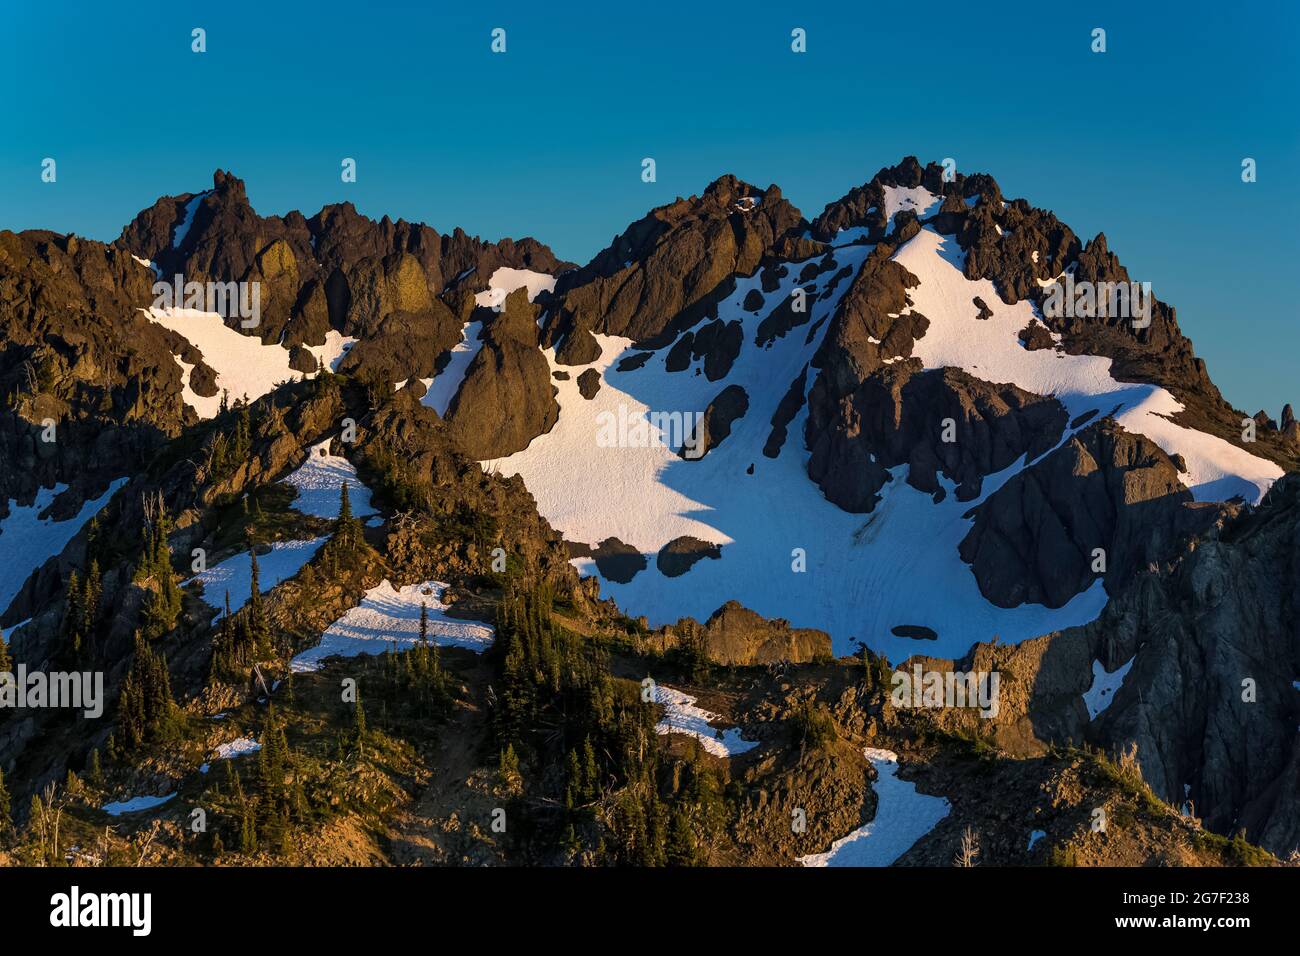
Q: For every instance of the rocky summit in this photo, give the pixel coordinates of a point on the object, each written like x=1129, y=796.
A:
x=919, y=522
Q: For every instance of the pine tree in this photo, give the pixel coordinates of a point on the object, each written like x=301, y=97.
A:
x=6, y=662
x=95, y=773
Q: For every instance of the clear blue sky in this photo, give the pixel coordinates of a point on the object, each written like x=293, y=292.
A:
x=1143, y=142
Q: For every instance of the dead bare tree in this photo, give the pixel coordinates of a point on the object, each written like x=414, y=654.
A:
x=968, y=854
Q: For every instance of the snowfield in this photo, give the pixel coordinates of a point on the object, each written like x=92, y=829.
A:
x=442, y=388
x=990, y=349
x=506, y=280
x=388, y=617
x=27, y=541
x=681, y=716
x=234, y=575
x=865, y=574
x=903, y=816
x=319, y=483
x=245, y=367
x=1104, y=687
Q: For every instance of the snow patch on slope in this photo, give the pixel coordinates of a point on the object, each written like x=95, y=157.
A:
x=991, y=350
x=681, y=716
x=506, y=280
x=903, y=816
x=866, y=574
x=390, y=616
x=319, y=483
x=245, y=367
x=234, y=576
x=27, y=541
x=1104, y=687
x=442, y=388
x=183, y=227
x=336, y=347
x=916, y=198
x=135, y=805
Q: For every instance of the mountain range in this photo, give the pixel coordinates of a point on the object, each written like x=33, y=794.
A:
x=634, y=551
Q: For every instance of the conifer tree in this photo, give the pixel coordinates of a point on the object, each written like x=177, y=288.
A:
x=95, y=773
x=6, y=662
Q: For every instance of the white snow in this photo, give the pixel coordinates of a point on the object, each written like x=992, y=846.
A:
x=135, y=805
x=157, y=273
x=919, y=199
x=865, y=574
x=27, y=541
x=234, y=575
x=991, y=350
x=183, y=228
x=1104, y=685
x=903, y=816
x=681, y=716
x=388, y=616
x=336, y=347
x=245, y=367
x=1034, y=837
x=442, y=388
x=319, y=483
x=506, y=280
x=239, y=747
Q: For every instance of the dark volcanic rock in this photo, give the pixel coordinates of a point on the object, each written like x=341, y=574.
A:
x=507, y=398
x=579, y=348
x=718, y=343
x=615, y=560
x=667, y=271
x=630, y=363
x=680, y=554
x=1033, y=539
x=589, y=383
x=897, y=416
x=730, y=404
x=785, y=412
x=1035, y=336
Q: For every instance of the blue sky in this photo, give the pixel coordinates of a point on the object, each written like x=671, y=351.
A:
x=1143, y=142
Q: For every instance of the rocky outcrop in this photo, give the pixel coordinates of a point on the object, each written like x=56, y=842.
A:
x=668, y=270
x=715, y=425
x=507, y=398
x=76, y=350
x=1037, y=538
x=680, y=555
x=735, y=635
x=941, y=422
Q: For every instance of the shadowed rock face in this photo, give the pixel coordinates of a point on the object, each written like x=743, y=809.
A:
x=1033, y=539
x=900, y=415
x=680, y=554
x=75, y=348
x=669, y=269
x=730, y=404
x=1228, y=611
